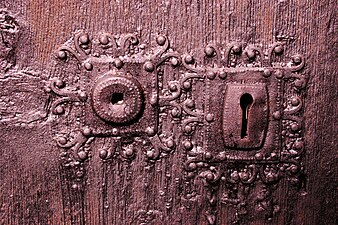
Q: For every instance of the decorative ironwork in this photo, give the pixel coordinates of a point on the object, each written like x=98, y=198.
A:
x=156, y=100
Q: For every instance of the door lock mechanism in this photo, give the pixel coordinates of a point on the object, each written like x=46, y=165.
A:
x=245, y=115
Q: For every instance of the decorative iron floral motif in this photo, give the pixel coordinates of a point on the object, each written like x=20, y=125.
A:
x=158, y=100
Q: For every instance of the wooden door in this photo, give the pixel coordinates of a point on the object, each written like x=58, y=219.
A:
x=168, y=112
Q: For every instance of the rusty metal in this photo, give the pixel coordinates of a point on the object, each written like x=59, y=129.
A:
x=200, y=93
x=233, y=112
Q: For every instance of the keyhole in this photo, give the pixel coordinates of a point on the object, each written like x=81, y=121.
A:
x=245, y=102
x=116, y=98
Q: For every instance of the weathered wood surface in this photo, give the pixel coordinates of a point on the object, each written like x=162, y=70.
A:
x=34, y=188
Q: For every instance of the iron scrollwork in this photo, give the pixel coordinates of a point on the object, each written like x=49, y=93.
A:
x=158, y=100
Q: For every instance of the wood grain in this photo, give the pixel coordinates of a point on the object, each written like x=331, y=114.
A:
x=33, y=185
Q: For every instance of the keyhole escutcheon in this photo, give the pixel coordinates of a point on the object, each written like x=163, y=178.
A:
x=245, y=103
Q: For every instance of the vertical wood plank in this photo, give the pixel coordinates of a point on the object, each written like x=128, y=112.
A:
x=122, y=192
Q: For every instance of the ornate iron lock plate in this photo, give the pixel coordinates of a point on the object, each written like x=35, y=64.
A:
x=233, y=111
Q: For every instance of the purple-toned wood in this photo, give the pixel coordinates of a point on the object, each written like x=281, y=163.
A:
x=193, y=112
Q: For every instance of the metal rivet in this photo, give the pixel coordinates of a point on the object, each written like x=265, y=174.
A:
x=153, y=100
x=150, y=131
x=209, y=177
x=190, y=103
x=161, y=40
x=273, y=156
x=187, y=129
x=299, y=83
x=209, y=117
x=209, y=51
x=87, y=131
x=129, y=152
x=174, y=61
x=279, y=74
x=82, y=155
x=187, y=85
x=82, y=96
x=187, y=145
x=172, y=87
x=118, y=63
x=149, y=66
x=211, y=75
x=175, y=112
x=208, y=155
x=88, y=66
x=279, y=49
x=267, y=73
x=103, y=154
x=296, y=59
x=250, y=54
x=244, y=176
x=170, y=144
x=295, y=101
x=298, y=145
x=295, y=127
x=150, y=154
x=222, y=74
x=259, y=156
x=277, y=115
x=237, y=49
x=62, y=55
x=62, y=140
x=115, y=131
x=234, y=175
x=84, y=39
x=104, y=39
x=59, y=110
x=59, y=83
x=222, y=156
x=192, y=166
x=189, y=59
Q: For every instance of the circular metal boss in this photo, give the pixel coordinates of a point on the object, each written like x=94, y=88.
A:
x=117, y=99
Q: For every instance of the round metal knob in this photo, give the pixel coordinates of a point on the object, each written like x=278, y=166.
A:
x=117, y=99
